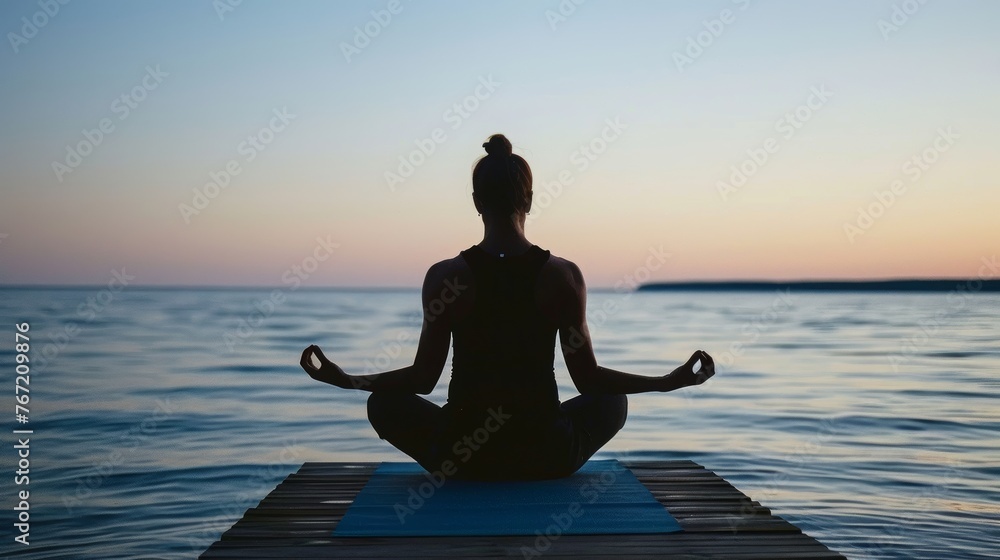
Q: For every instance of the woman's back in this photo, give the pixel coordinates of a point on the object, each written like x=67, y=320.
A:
x=504, y=347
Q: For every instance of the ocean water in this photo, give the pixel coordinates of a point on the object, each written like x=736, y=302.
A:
x=871, y=421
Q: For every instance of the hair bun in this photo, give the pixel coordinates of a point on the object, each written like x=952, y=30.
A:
x=498, y=145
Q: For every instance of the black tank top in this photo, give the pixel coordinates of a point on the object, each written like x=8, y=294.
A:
x=503, y=350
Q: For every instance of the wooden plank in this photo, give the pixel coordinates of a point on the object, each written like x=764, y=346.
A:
x=298, y=517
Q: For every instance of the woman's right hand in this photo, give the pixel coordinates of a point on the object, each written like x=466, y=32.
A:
x=327, y=372
x=685, y=375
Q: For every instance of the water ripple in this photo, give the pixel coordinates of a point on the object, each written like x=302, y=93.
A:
x=152, y=437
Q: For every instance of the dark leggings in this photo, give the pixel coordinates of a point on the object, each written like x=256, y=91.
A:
x=412, y=424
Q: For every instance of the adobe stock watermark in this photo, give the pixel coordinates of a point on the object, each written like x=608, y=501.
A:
x=625, y=288
x=958, y=300
x=248, y=150
x=802, y=455
x=291, y=279
x=580, y=160
x=366, y=33
x=913, y=169
x=654, y=261
x=225, y=7
x=590, y=491
x=454, y=116
x=464, y=449
x=255, y=485
x=564, y=10
x=697, y=44
x=900, y=16
x=917, y=506
x=122, y=106
x=88, y=310
x=759, y=325
x=127, y=443
x=390, y=351
x=31, y=26
x=787, y=127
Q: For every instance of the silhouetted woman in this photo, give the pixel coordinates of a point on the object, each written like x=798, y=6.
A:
x=503, y=300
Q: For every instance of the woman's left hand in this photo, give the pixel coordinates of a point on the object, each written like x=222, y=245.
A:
x=685, y=375
x=327, y=372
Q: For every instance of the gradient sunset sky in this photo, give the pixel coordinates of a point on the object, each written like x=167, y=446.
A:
x=646, y=111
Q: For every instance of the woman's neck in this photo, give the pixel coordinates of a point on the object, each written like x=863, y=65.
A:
x=504, y=236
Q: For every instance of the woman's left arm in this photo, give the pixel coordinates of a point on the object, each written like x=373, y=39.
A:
x=432, y=350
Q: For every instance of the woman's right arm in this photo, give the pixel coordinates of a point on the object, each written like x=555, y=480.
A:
x=578, y=351
x=432, y=348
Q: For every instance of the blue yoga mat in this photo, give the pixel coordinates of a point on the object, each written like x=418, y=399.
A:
x=603, y=497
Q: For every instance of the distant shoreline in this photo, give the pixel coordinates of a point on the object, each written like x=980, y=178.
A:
x=936, y=285
x=913, y=285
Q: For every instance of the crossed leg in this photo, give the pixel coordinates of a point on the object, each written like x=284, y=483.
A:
x=412, y=424
x=596, y=419
x=409, y=422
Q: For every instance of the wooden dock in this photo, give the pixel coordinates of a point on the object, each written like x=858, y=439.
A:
x=297, y=518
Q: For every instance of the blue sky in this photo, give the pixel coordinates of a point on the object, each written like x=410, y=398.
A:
x=656, y=184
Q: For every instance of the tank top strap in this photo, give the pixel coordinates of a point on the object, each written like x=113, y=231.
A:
x=537, y=260
x=501, y=281
x=531, y=260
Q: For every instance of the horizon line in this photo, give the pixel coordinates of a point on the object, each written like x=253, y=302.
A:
x=640, y=287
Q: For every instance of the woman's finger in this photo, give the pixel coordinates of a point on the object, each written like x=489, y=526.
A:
x=306, y=361
x=319, y=354
x=691, y=361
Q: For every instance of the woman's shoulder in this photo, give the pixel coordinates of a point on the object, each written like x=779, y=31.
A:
x=562, y=271
x=448, y=267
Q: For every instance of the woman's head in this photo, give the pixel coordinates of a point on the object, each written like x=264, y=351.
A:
x=501, y=181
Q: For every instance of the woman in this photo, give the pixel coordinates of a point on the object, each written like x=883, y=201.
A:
x=503, y=300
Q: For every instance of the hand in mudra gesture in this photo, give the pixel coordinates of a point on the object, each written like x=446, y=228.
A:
x=686, y=375
x=327, y=372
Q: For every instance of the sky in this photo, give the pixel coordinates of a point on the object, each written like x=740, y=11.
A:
x=257, y=143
